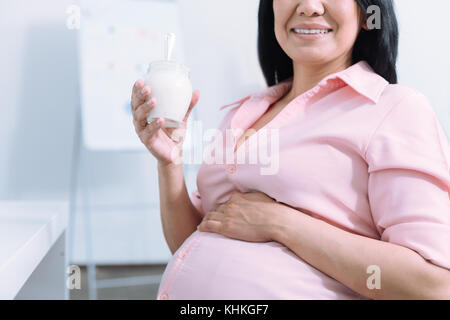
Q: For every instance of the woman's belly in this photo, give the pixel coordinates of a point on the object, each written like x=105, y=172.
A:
x=211, y=266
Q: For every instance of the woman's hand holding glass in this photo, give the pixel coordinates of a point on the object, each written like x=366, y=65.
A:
x=165, y=144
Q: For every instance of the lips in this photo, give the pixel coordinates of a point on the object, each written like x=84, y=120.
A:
x=313, y=34
x=311, y=31
x=312, y=26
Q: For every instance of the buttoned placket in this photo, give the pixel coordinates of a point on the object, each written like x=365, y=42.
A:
x=181, y=256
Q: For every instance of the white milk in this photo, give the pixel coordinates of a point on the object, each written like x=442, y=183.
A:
x=171, y=87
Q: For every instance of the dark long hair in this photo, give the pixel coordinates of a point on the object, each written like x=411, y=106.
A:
x=379, y=47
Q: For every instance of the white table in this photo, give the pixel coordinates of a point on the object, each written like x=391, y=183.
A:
x=32, y=250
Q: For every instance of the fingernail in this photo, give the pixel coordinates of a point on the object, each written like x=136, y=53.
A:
x=143, y=91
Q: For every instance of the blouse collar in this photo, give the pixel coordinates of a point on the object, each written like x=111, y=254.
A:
x=359, y=76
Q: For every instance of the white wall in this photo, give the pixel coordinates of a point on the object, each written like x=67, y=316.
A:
x=39, y=98
x=424, y=52
x=38, y=83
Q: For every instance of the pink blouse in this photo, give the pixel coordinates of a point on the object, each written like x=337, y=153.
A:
x=355, y=151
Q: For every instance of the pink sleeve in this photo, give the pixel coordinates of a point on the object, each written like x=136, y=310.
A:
x=409, y=180
x=196, y=200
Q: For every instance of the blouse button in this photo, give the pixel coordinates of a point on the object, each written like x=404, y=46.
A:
x=182, y=254
x=231, y=168
x=164, y=296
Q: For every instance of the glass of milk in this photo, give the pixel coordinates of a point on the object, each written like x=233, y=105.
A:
x=170, y=84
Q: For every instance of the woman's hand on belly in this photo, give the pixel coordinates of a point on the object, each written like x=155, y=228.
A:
x=245, y=216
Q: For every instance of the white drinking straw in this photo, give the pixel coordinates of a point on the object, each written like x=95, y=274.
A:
x=169, y=44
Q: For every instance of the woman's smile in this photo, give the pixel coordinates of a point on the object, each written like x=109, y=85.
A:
x=311, y=31
x=311, y=34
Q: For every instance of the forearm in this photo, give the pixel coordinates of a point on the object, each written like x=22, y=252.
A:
x=179, y=217
x=345, y=257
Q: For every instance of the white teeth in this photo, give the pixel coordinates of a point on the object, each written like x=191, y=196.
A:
x=310, y=31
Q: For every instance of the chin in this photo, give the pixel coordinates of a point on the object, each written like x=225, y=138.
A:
x=311, y=58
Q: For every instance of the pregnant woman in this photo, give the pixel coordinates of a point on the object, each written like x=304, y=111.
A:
x=358, y=206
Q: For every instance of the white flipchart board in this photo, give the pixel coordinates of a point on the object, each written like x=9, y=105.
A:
x=117, y=40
